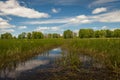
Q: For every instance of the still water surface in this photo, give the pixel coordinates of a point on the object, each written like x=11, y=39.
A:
x=39, y=61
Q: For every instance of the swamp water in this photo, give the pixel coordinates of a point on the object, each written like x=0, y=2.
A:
x=41, y=62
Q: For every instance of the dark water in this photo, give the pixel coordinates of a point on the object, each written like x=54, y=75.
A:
x=41, y=61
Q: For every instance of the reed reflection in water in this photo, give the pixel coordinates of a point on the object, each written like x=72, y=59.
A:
x=43, y=60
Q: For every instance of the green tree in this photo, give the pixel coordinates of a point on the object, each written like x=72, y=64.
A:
x=102, y=33
x=14, y=37
x=29, y=35
x=6, y=36
x=37, y=35
x=116, y=33
x=86, y=33
x=108, y=33
x=68, y=34
x=97, y=34
x=55, y=35
x=90, y=33
x=81, y=33
x=22, y=35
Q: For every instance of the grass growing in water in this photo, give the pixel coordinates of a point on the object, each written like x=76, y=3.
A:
x=106, y=51
x=13, y=52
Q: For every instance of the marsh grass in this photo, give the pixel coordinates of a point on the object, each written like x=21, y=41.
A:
x=14, y=52
x=105, y=51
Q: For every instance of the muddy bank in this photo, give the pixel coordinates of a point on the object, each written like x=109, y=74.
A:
x=60, y=73
x=68, y=74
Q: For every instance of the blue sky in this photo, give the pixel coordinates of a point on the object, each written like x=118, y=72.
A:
x=55, y=16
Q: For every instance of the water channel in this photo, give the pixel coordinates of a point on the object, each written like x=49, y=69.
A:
x=41, y=62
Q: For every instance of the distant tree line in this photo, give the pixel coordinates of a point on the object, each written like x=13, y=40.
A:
x=90, y=33
x=6, y=36
x=33, y=35
x=83, y=33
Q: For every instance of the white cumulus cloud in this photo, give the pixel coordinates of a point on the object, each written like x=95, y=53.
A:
x=6, y=30
x=4, y=24
x=12, y=7
x=81, y=19
x=108, y=17
x=99, y=10
x=45, y=29
x=54, y=10
x=22, y=27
